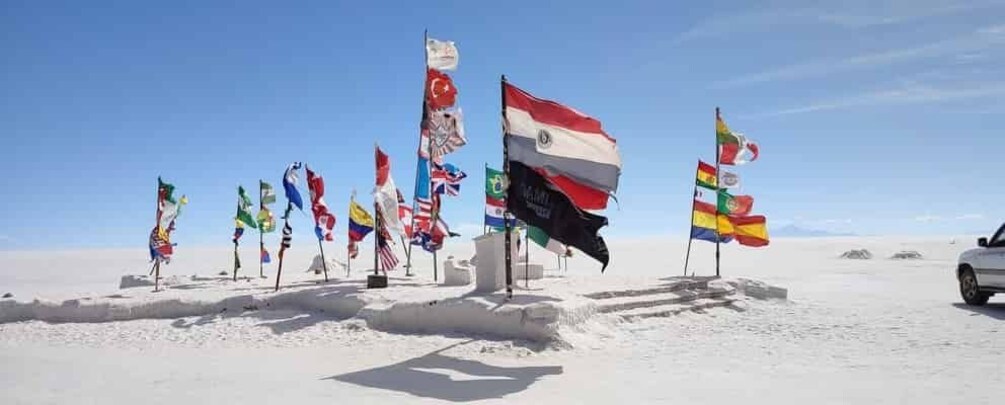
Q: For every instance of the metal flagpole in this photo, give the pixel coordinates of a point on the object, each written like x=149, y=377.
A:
x=690, y=238
x=324, y=264
x=415, y=202
x=261, y=234
x=376, y=236
x=157, y=256
x=718, y=236
x=526, y=263
x=508, y=229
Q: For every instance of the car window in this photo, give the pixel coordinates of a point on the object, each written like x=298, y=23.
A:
x=999, y=237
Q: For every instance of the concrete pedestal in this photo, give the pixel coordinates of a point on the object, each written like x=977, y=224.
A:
x=490, y=269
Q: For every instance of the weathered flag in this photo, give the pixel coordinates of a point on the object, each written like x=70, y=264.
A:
x=442, y=133
x=244, y=210
x=570, y=148
x=734, y=205
x=324, y=221
x=734, y=148
x=728, y=179
x=160, y=246
x=533, y=200
x=441, y=55
x=386, y=194
x=290, y=185
x=440, y=90
x=267, y=195
x=266, y=221
x=706, y=176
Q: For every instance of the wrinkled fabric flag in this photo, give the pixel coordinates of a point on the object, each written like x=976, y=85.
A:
x=441, y=55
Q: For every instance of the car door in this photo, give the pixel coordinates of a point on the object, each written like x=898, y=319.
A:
x=992, y=261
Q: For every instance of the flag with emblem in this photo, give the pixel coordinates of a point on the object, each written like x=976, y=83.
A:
x=442, y=133
x=386, y=194
x=569, y=148
x=324, y=221
x=734, y=205
x=441, y=55
x=440, y=90
x=734, y=148
x=495, y=200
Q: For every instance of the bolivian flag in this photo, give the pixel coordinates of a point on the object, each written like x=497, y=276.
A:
x=703, y=226
x=706, y=176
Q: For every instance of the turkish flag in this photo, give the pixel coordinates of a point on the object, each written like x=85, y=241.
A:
x=440, y=90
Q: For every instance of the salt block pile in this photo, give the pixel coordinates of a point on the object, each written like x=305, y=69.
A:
x=857, y=254
x=907, y=255
x=318, y=267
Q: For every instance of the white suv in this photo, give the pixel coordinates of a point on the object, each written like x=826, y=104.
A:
x=981, y=271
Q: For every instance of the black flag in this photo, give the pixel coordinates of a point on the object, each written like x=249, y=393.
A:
x=532, y=199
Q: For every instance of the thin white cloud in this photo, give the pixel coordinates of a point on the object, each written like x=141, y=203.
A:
x=928, y=218
x=971, y=44
x=725, y=25
x=908, y=94
x=967, y=217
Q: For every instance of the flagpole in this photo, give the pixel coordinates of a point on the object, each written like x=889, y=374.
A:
x=286, y=222
x=261, y=234
x=157, y=255
x=236, y=262
x=376, y=235
x=425, y=62
x=718, y=236
x=324, y=264
x=526, y=263
x=506, y=226
x=687, y=256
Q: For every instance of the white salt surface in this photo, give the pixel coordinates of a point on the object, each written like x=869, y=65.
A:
x=876, y=331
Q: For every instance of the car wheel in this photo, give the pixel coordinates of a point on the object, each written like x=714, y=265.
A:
x=971, y=293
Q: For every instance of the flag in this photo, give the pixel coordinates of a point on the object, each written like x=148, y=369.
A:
x=287, y=235
x=266, y=221
x=267, y=193
x=324, y=221
x=265, y=258
x=728, y=179
x=495, y=199
x=706, y=222
x=734, y=148
x=706, y=176
x=386, y=194
x=446, y=179
x=542, y=239
x=405, y=214
x=441, y=55
x=750, y=230
x=352, y=249
x=440, y=90
x=238, y=230
x=244, y=209
x=442, y=133
x=160, y=246
x=734, y=205
x=388, y=261
x=532, y=199
x=168, y=208
x=360, y=222
x=570, y=148
x=290, y=185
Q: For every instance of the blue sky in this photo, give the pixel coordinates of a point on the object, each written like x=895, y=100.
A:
x=872, y=117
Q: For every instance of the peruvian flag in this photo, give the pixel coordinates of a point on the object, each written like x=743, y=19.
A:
x=324, y=221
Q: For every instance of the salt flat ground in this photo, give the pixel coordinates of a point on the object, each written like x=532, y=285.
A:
x=871, y=331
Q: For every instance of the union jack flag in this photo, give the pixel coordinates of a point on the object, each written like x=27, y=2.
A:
x=446, y=179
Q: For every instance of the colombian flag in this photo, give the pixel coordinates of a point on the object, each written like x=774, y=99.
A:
x=706, y=219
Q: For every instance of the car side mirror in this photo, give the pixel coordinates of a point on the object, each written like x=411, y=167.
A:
x=982, y=242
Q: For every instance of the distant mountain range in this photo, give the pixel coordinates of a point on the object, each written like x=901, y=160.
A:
x=793, y=231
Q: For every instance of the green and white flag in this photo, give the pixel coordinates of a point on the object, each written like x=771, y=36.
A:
x=244, y=209
x=268, y=194
x=538, y=236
